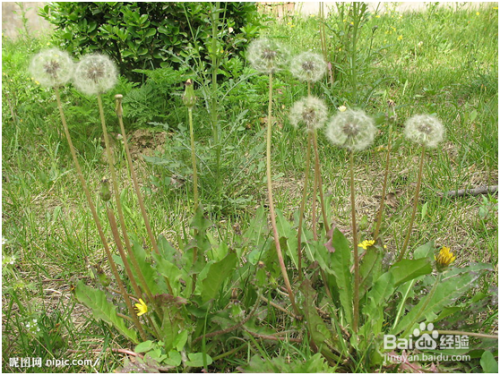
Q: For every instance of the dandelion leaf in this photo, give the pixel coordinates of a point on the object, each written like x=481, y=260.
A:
x=321, y=338
x=155, y=283
x=288, y=235
x=409, y=269
x=377, y=299
x=339, y=266
x=103, y=309
x=454, y=284
x=216, y=276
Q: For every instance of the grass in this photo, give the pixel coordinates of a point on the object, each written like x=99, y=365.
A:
x=438, y=61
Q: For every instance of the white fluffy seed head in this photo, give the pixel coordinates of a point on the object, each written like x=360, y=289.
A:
x=95, y=74
x=425, y=130
x=351, y=129
x=310, y=111
x=267, y=56
x=308, y=67
x=52, y=67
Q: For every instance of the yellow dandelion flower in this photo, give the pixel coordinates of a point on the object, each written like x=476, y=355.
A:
x=377, y=16
x=495, y=7
x=477, y=13
x=400, y=37
x=141, y=307
x=444, y=258
x=342, y=108
x=366, y=244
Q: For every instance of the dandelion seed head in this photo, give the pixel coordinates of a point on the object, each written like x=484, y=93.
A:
x=351, y=129
x=425, y=130
x=267, y=56
x=52, y=68
x=310, y=111
x=95, y=74
x=308, y=67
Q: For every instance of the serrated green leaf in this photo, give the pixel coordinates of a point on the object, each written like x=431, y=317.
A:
x=447, y=291
x=171, y=272
x=180, y=341
x=340, y=266
x=199, y=222
x=409, y=269
x=382, y=290
x=289, y=234
x=216, y=276
x=103, y=309
x=370, y=269
x=155, y=283
x=318, y=331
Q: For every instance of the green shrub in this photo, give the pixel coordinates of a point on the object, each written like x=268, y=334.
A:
x=149, y=35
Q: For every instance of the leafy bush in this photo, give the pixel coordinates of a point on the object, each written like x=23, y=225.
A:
x=146, y=35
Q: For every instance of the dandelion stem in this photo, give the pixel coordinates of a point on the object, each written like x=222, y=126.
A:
x=110, y=160
x=270, y=195
x=97, y=221
x=315, y=196
x=384, y=187
x=119, y=245
x=356, y=256
x=119, y=113
x=303, y=203
x=415, y=204
x=193, y=160
x=317, y=170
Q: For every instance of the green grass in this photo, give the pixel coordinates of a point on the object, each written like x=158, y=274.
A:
x=445, y=62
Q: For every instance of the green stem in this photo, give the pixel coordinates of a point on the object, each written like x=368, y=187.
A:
x=317, y=171
x=415, y=204
x=119, y=113
x=97, y=221
x=354, y=40
x=384, y=187
x=214, y=106
x=119, y=245
x=303, y=204
x=356, y=255
x=402, y=304
x=270, y=195
x=314, y=198
x=114, y=180
x=193, y=160
x=424, y=306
